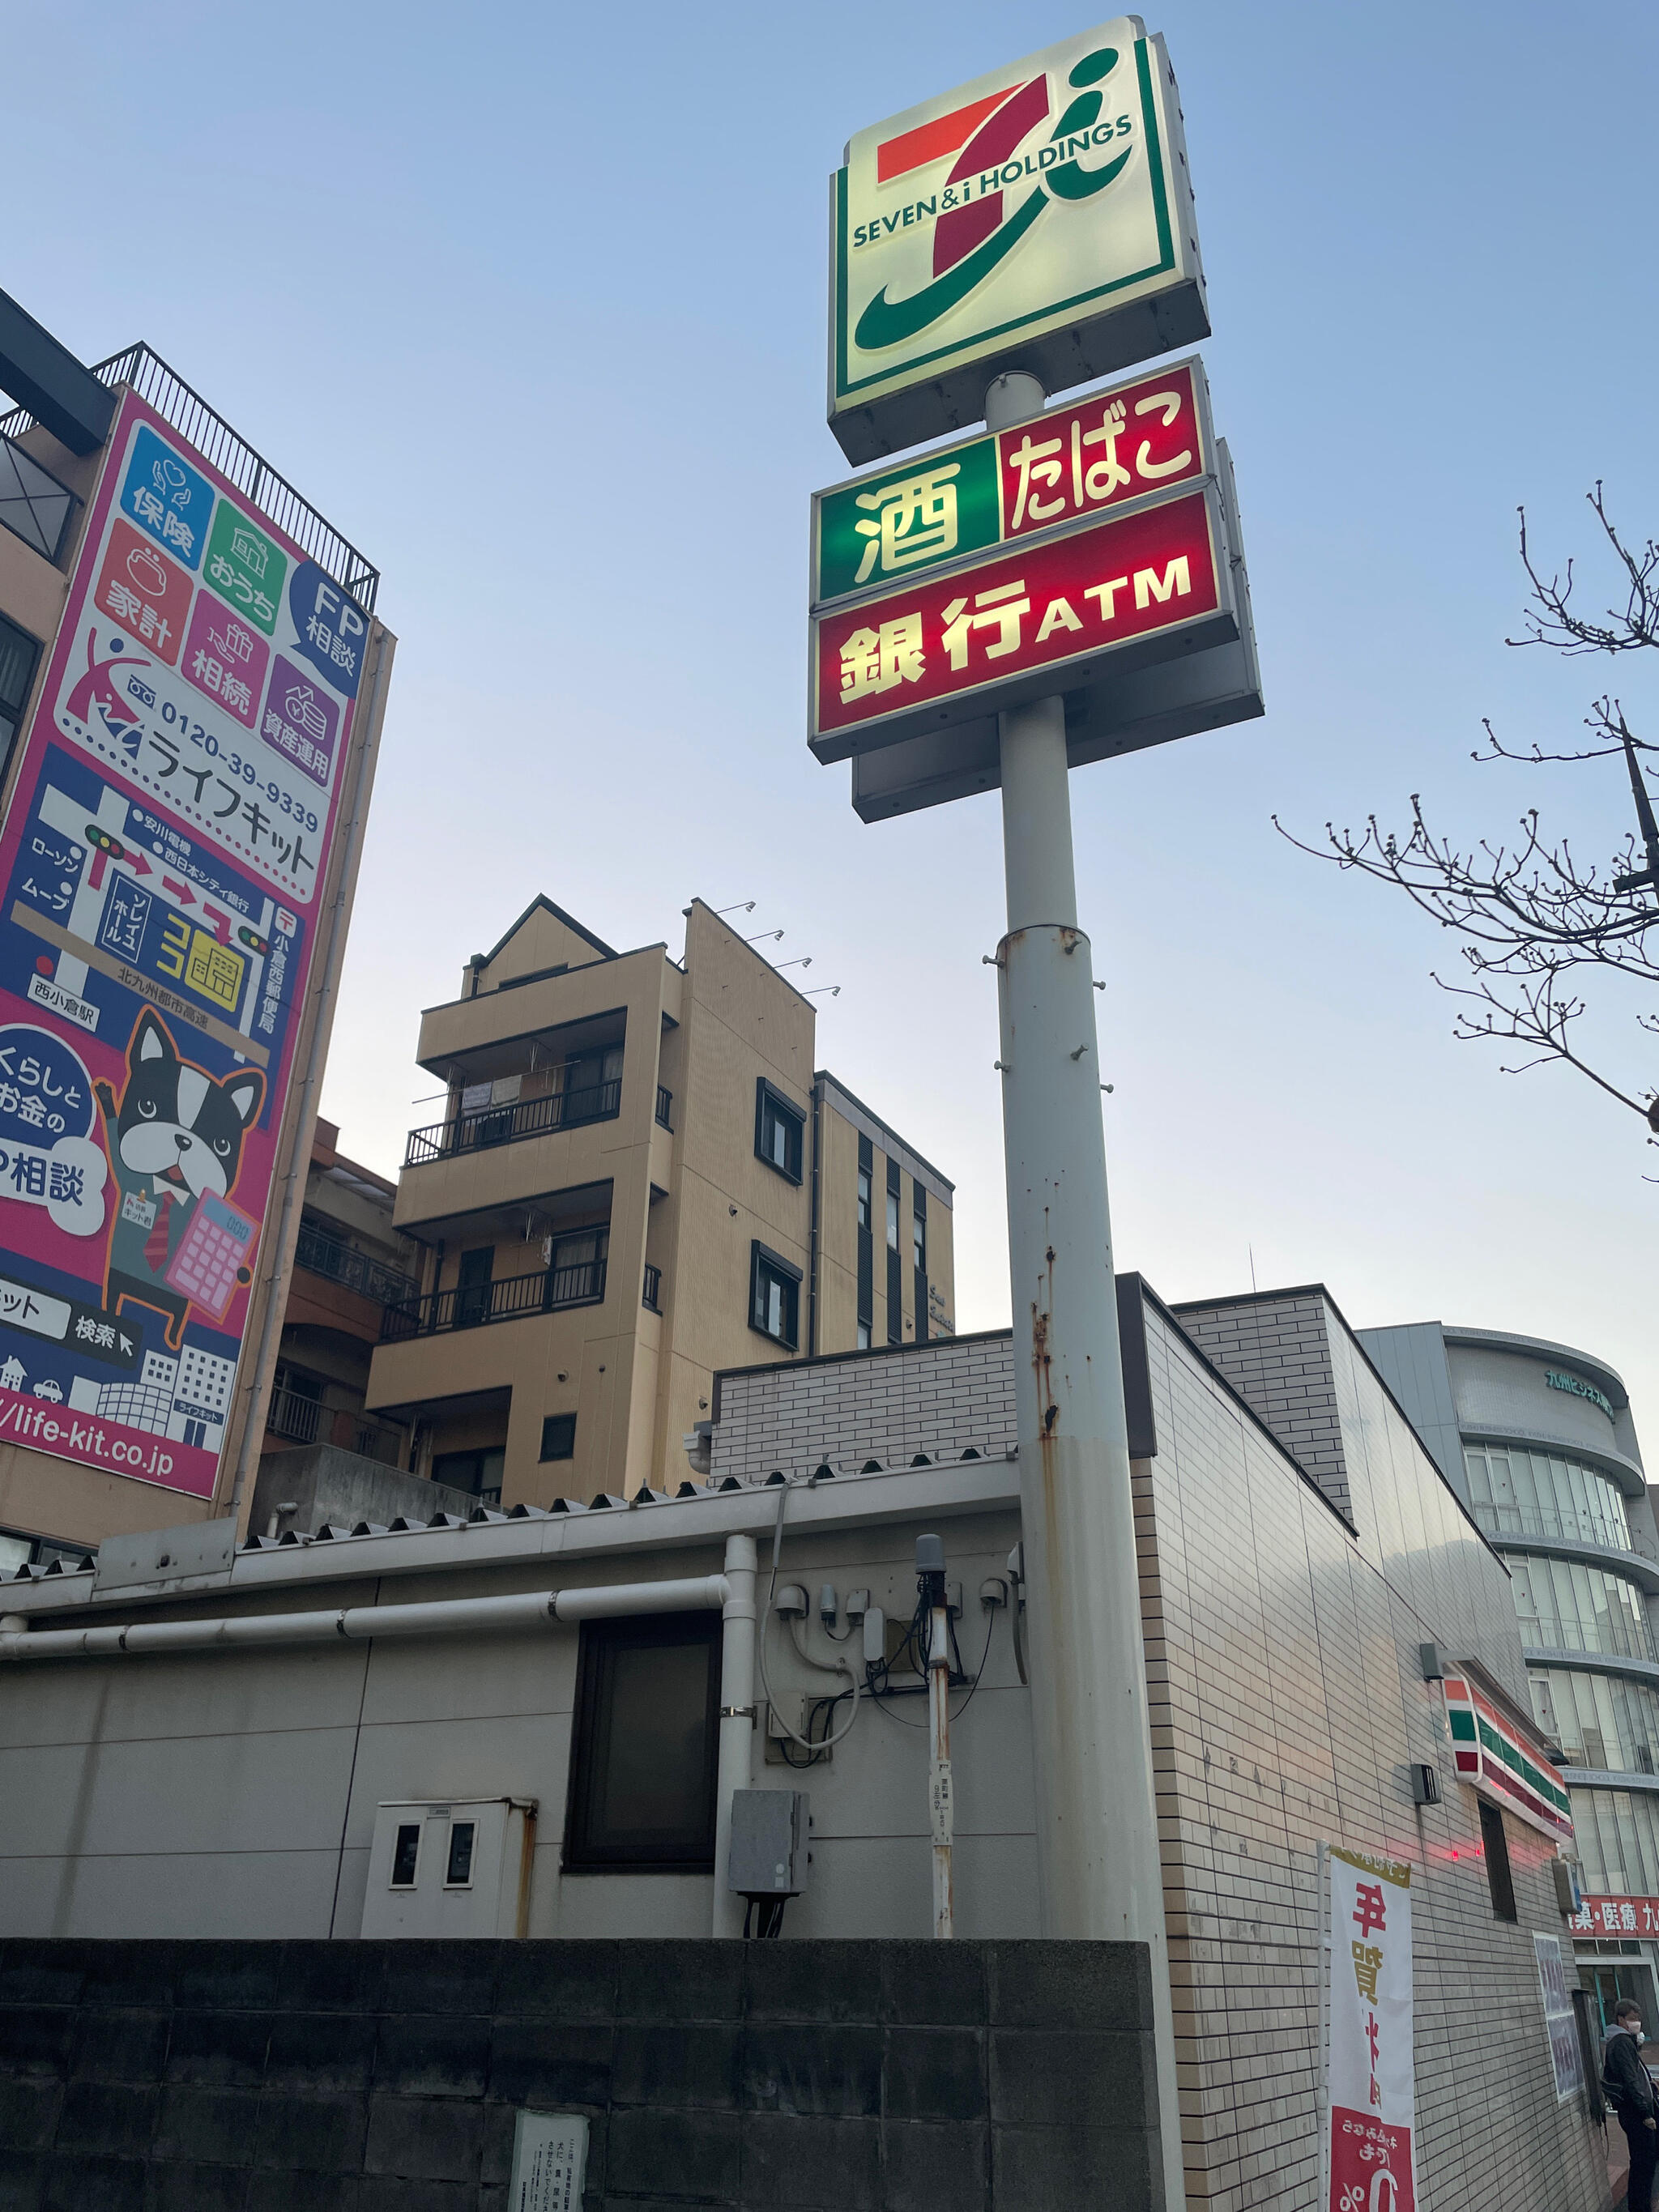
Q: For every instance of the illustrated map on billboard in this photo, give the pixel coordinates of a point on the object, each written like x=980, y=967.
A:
x=162, y=860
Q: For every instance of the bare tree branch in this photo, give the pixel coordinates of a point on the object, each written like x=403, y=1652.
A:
x=1532, y=920
x=1551, y=619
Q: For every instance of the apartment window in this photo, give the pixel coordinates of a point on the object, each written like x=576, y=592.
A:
x=472, y=1283
x=779, y=1127
x=559, y=1436
x=895, y=1266
x=919, y=1257
x=643, y=1761
x=1495, y=1846
x=773, y=1297
x=19, y=653
x=866, y=1240
x=479, y=1472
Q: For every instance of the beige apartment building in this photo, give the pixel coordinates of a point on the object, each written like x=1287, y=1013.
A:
x=640, y=1176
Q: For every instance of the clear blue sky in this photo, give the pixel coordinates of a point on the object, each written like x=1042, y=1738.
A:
x=530, y=301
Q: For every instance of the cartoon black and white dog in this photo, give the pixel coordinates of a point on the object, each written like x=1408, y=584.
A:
x=175, y=1134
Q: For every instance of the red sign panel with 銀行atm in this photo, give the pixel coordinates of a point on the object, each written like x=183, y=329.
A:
x=1137, y=587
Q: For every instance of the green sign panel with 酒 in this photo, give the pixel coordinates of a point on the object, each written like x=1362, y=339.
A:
x=908, y=518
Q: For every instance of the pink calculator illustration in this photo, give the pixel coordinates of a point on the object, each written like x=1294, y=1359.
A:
x=218, y=1243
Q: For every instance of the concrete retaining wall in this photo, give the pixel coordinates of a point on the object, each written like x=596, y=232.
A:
x=355, y=2077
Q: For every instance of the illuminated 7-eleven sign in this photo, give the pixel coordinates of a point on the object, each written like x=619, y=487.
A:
x=1040, y=217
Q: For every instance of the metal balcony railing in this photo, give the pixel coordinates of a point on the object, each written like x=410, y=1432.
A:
x=373, y=1439
x=297, y=1418
x=506, y=1125
x=235, y=459
x=470, y=1305
x=665, y=1106
x=305, y=1420
x=353, y=1270
x=652, y=1294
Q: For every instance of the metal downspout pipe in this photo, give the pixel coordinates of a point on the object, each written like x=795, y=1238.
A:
x=737, y=1729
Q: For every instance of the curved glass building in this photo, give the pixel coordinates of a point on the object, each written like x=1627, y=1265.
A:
x=1539, y=1440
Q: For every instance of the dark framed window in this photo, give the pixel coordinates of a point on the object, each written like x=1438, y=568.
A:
x=779, y=1127
x=457, y=1873
x=472, y=1280
x=559, y=1436
x=479, y=1472
x=919, y=1257
x=773, y=1296
x=18, y=653
x=866, y=1280
x=405, y=1855
x=895, y=1264
x=643, y=1761
x=1495, y=1848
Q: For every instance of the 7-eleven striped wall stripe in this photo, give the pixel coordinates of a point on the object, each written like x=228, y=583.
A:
x=1492, y=1757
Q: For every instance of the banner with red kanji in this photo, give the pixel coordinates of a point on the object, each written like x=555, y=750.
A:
x=1368, y=2057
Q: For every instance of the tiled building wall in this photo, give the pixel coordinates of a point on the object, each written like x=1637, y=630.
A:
x=1275, y=1355
x=934, y=1398
x=1287, y=1701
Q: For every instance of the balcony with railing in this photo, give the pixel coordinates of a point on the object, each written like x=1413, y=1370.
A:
x=343, y=1263
x=471, y=1305
x=508, y=1124
x=299, y=1418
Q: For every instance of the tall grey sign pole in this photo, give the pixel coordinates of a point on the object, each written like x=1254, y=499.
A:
x=1096, y=1813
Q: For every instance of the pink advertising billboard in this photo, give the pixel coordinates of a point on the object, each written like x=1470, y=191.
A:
x=162, y=859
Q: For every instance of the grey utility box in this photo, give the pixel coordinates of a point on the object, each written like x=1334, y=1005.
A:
x=768, y=1842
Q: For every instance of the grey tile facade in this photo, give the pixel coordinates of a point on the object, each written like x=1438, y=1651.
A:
x=1284, y=1603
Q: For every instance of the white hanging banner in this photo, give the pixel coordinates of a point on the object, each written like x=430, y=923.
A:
x=1368, y=2155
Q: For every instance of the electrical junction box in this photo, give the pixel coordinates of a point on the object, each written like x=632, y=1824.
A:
x=768, y=1842
x=797, y=1708
x=454, y=1869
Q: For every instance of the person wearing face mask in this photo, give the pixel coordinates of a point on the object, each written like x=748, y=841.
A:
x=1630, y=2090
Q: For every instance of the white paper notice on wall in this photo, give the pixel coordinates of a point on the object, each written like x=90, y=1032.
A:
x=1561, y=2022
x=549, y=2157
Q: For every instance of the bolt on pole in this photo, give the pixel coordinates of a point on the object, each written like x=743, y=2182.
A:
x=1099, y=1870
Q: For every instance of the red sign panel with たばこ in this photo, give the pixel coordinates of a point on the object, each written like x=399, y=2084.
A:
x=944, y=646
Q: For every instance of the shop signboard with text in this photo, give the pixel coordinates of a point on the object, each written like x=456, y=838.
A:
x=1127, y=442
x=1040, y=215
x=1367, y=2152
x=1616, y=1915
x=162, y=862
x=954, y=644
